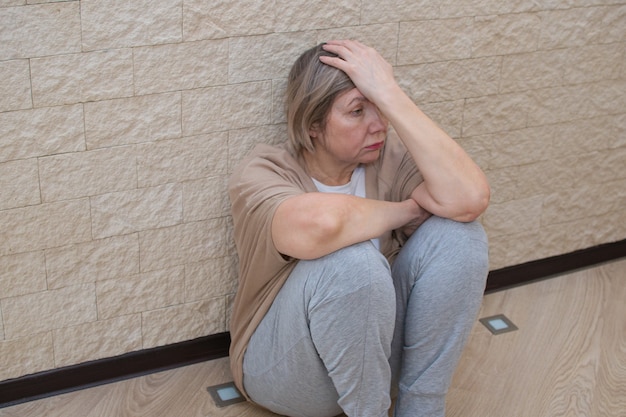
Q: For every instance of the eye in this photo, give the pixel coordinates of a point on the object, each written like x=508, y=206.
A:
x=357, y=112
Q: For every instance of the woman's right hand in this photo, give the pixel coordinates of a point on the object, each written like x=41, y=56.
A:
x=368, y=70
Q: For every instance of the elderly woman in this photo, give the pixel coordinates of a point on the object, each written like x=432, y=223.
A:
x=362, y=267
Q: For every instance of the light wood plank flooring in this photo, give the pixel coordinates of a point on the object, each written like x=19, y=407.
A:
x=568, y=358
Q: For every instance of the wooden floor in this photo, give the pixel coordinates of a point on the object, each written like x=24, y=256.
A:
x=568, y=358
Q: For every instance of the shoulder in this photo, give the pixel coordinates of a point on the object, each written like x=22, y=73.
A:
x=268, y=175
x=267, y=165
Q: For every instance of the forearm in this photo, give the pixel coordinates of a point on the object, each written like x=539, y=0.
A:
x=454, y=185
x=315, y=224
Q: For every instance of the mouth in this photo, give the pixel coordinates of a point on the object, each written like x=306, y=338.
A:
x=375, y=146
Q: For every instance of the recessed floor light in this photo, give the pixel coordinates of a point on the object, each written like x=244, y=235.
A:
x=498, y=324
x=225, y=394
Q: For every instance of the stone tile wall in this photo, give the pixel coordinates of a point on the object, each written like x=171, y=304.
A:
x=120, y=121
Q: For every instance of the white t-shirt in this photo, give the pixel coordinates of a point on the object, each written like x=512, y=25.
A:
x=355, y=187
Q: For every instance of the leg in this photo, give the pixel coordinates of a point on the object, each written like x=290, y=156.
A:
x=440, y=280
x=323, y=347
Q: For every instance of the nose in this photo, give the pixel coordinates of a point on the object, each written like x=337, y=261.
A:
x=378, y=121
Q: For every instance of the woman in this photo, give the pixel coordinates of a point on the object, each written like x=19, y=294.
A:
x=361, y=266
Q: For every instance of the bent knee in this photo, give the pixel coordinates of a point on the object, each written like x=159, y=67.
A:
x=453, y=230
x=351, y=268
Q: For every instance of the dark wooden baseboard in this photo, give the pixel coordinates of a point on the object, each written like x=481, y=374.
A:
x=103, y=371
x=89, y=374
x=525, y=273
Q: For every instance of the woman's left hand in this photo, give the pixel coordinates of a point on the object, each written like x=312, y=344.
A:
x=367, y=69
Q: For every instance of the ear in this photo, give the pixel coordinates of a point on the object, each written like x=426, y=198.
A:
x=314, y=130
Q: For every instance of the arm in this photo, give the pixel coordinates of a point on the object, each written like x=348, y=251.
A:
x=312, y=225
x=454, y=186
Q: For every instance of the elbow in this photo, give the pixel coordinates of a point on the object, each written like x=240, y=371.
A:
x=475, y=205
x=322, y=230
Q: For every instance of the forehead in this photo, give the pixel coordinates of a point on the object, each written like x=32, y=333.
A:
x=350, y=97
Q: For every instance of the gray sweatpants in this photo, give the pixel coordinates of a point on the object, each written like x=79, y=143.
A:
x=347, y=330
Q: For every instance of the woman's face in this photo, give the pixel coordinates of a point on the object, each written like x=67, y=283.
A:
x=355, y=131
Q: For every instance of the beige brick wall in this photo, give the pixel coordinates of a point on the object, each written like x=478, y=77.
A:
x=120, y=121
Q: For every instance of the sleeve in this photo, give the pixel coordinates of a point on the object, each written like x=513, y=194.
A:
x=256, y=189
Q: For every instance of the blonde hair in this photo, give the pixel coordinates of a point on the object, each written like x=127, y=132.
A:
x=311, y=90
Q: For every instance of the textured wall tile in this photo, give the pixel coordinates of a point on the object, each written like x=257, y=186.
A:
x=495, y=114
x=294, y=15
x=609, y=165
x=265, y=57
x=22, y=273
x=44, y=226
x=55, y=309
x=384, y=11
x=506, y=250
x=382, y=37
x=46, y=29
x=617, y=125
x=514, y=217
x=582, y=26
x=505, y=34
x=19, y=184
x=478, y=148
x=141, y=292
x=447, y=114
x=242, y=141
x=92, y=261
x=520, y=147
x=594, y=63
x=185, y=243
x=222, y=18
x=610, y=227
x=560, y=104
x=452, y=80
x=456, y=8
x=550, y=142
x=182, y=159
x=279, y=92
x=211, y=278
x=97, y=340
x=586, y=200
x=68, y=79
x=229, y=107
x=533, y=70
x=560, y=67
x=564, y=237
x=41, y=132
x=9, y=3
x=181, y=66
x=435, y=40
x=206, y=198
x=15, y=93
x=183, y=322
x=519, y=182
x=122, y=23
x=230, y=300
x=134, y=210
x=133, y=120
x=25, y=356
x=83, y=174
x=576, y=137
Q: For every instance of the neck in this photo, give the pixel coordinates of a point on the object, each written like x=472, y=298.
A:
x=326, y=172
